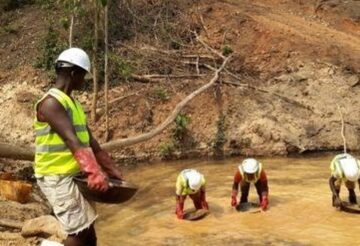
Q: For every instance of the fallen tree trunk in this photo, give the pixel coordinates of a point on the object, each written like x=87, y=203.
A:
x=146, y=136
x=16, y=152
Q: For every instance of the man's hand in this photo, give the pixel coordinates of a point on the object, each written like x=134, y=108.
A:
x=87, y=162
x=337, y=202
x=233, y=198
x=264, y=202
x=108, y=165
x=179, y=210
x=98, y=181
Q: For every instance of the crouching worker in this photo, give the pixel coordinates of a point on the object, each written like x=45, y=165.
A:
x=65, y=146
x=250, y=171
x=344, y=168
x=190, y=182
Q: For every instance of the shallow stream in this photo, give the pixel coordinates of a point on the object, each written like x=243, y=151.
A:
x=300, y=211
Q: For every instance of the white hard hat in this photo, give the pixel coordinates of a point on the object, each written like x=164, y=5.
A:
x=350, y=167
x=75, y=56
x=194, y=178
x=250, y=165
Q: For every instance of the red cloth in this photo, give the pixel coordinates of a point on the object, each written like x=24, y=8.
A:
x=88, y=164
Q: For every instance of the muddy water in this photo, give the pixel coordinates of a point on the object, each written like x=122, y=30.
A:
x=300, y=210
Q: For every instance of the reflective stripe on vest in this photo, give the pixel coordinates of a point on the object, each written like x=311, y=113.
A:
x=257, y=174
x=52, y=156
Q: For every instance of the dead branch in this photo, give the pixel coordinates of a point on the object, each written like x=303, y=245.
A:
x=208, y=47
x=342, y=127
x=143, y=137
x=16, y=152
x=154, y=78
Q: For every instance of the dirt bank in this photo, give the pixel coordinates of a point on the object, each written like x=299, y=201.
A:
x=302, y=57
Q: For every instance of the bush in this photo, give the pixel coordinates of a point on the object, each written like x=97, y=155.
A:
x=161, y=94
x=220, y=138
x=120, y=67
x=180, y=130
x=167, y=150
x=227, y=50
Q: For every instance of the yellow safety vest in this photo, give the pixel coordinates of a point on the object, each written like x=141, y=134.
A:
x=257, y=174
x=182, y=185
x=336, y=169
x=52, y=156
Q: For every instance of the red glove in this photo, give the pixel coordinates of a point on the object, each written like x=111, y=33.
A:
x=204, y=203
x=233, y=198
x=107, y=163
x=179, y=210
x=264, y=202
x=96, y=178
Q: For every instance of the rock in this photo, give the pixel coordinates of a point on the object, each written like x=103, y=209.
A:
x=46, y=224
x=353, y=80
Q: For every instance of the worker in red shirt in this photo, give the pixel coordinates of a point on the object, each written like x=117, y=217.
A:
x=250, y=171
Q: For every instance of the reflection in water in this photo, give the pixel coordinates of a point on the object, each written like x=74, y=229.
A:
x=300, y=211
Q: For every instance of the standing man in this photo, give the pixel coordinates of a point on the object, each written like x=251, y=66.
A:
x=344, y=168
x=190, y=182
x=65, y=146
x=250, y=171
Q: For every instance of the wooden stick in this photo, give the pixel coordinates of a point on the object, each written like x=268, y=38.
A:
x=208, y=47
x=342, y=127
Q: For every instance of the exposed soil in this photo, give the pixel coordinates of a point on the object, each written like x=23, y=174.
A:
x=297, y=59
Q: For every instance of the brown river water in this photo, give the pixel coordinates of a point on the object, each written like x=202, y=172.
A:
x=300, y=211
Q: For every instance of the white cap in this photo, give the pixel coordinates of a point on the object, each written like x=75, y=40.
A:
x=250, y=165
x=194, y=178
x=350, y=167
x=74, y=56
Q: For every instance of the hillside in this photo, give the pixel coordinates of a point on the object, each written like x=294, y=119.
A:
x=294, y=61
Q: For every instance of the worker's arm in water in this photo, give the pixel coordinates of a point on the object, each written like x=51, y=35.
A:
x=337, y=200
x=235, y=188
x=180, y=198
x=52, y=112
x=264, y=190
x=104, y=159
x=204, y=203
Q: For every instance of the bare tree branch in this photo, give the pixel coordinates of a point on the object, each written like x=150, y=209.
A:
x=146, y=136
x=342, y=127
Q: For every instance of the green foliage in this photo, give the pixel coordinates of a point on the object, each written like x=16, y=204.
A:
x=120, y=67
x=104, y=2
x=227, y=50
x=65, y=23
x=10, y=29
x=220, y=138
x=46, y=4
x=166, y=150
x=51, y=47
x=161, y=94
x=181, y=130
